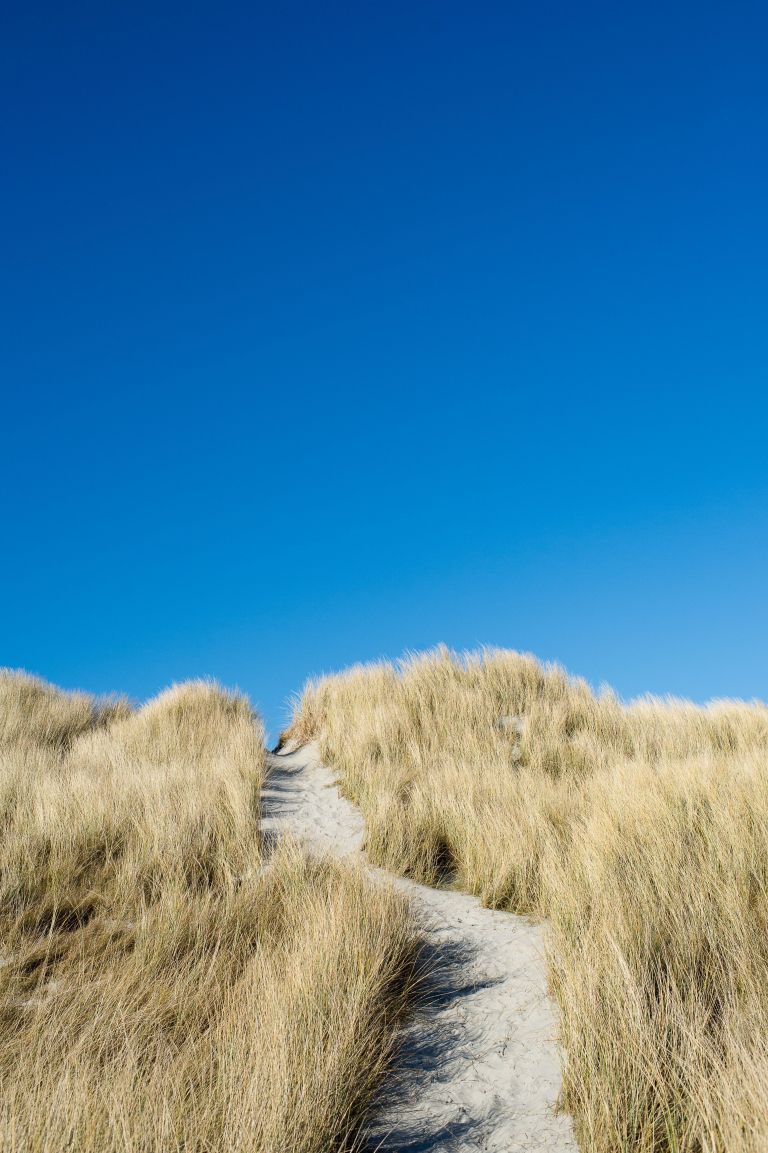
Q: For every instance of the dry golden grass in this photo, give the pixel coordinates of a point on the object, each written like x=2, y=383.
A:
x=640, y=831
x=161, y=987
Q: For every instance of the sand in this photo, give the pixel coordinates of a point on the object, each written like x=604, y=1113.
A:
x=480, y=1067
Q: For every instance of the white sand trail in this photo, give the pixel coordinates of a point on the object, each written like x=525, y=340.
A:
x=481, y=1068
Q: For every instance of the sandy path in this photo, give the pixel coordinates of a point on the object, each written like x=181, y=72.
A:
x=481, y=1067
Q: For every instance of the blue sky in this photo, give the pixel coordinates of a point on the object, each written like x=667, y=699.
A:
x=332, y=331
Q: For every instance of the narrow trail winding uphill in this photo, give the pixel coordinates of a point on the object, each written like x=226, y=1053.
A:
x=481, y=1069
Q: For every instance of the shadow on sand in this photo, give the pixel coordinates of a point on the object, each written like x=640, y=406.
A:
x=430, y=1047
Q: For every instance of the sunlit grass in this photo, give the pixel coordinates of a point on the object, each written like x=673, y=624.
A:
x=161, y=986
x=640, y=831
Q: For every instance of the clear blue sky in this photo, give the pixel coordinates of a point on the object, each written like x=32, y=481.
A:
x=330, y=331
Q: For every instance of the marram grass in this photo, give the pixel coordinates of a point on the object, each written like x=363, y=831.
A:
x=640, y=831
x=160, y=988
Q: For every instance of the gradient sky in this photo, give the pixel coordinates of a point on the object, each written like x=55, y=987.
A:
x=330, y=331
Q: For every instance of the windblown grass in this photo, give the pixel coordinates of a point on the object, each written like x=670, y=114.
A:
x=161, y=987
x=640, y=831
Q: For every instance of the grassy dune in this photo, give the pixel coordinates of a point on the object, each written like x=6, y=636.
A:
x=640, y=831
x=161, y=988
